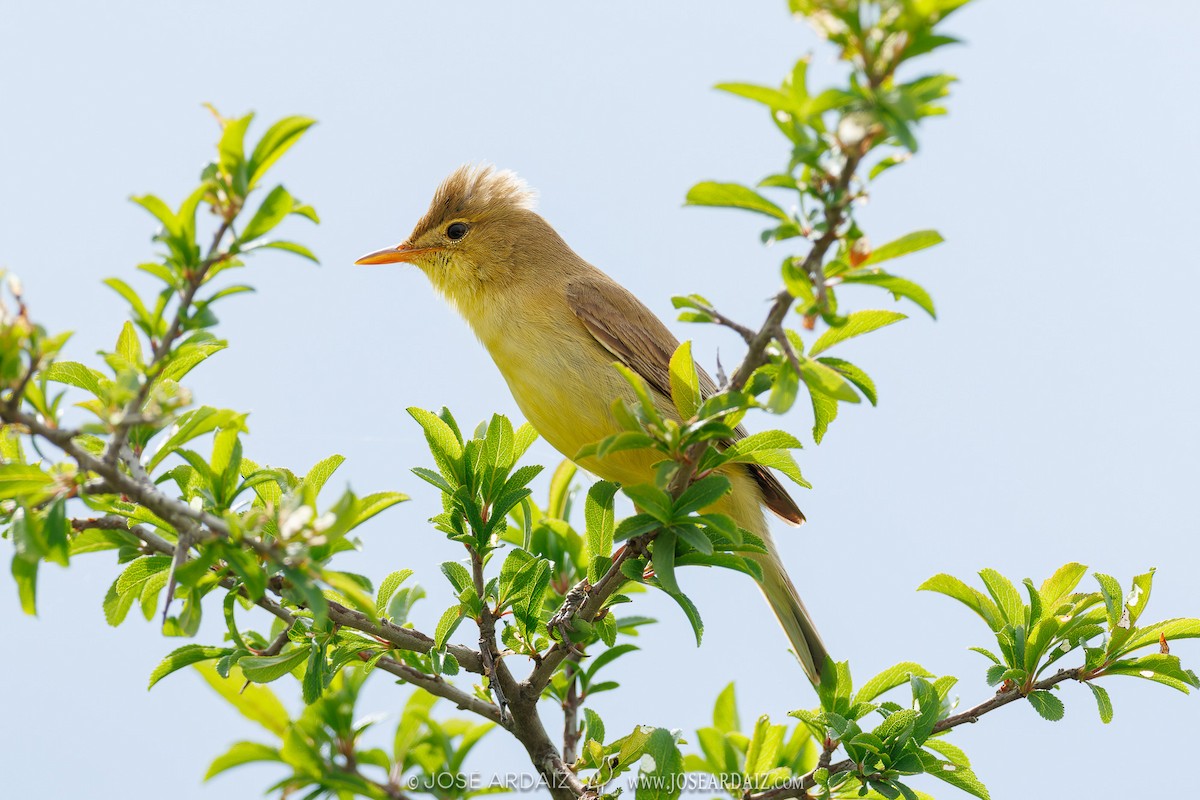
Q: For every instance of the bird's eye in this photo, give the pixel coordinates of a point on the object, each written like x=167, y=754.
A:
x=457, y=230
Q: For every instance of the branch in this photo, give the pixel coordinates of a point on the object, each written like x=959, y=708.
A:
x=570, y=706
x=798, y=787
x=595, y=598
x=435, y=684
x=130, y=416
x=488, y=651
x=1004, y=698
x=401, y=638
x=203, y=526
x=527, y=727
x=814, y=265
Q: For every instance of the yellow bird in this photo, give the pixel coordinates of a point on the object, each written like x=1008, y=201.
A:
x=554, y=324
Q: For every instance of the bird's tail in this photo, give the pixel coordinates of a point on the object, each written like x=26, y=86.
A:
x=744, y=504
x=789, y=609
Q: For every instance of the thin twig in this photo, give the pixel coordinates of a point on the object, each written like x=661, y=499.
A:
x=435, y=684
x=342, y=616
x=570, y=707
x=488, y=650
x=130, y=416
x=798, y=787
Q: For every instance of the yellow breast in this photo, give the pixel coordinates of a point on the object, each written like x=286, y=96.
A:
x=564, y=384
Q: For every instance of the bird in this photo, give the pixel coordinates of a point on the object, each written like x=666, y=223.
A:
x=554, y=325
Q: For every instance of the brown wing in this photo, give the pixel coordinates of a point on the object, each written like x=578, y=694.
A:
x=639, y=340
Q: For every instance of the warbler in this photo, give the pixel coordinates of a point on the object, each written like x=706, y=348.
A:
x=554, y=325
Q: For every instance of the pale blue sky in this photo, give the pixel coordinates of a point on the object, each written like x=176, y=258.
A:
x=1047, y=416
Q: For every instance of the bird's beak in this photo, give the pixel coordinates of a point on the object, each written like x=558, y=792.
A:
x=394, y=255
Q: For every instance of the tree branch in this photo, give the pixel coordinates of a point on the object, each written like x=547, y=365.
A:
x=401, y=638
x=595, y=598
x=130, y=416
x=188, y=519
x=488, y=651
x=798, y=787
x=570, y=706
x=435, y=684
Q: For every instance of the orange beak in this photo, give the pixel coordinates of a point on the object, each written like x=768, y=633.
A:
x=394, y=255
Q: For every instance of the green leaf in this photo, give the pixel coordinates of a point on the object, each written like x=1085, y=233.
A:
x=241, y=753
x=116, y=606
x=185, y=656
x=139, y=570
x=663, y=557
x=889, y=679
x=372, y=504
x=188, y=357
x=685, y=382
x=129, y=347
x=762, y=753
x=1171, y=629
x=412, y=719
x=733, y=195
x=953, y=753
x=660, y=775
x=320, y=473
x=899, y=287
x=600, y=524
x=634, y=526
x=446, y=626
x=1061, y=583
x=772, y=98
x=1114, y=600
x=24, y=572
x=827, y=380
x=910, y=243
x=353, y=588
x=1007, y=598
x=699, y=541
x=443, y=443
x=635, y=381
x=388, y=587
x=277, y=140
x=256, y=703
x=956, y=775
x=458, y=576
x=857, y=324
x=725, y=713
x=1139, y=596
x=1102, y=702
x=756, y=442
x=701, y=494
x=192, y=424
x=1046, y=704
x=274, y=207
x=784, y=389
x=19, y=481
x=825, y=411
x=593, y=726
x=691, y=612
x=1158, y=667
x=161, y=211
x=300, y=754
x=651, y=499
x=560, y=489
x=77, y=375
x=972, y=598
x=264, y=669
x=231, y=147
x=288, y=247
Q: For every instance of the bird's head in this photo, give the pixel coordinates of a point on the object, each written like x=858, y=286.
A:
x=479, y=234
